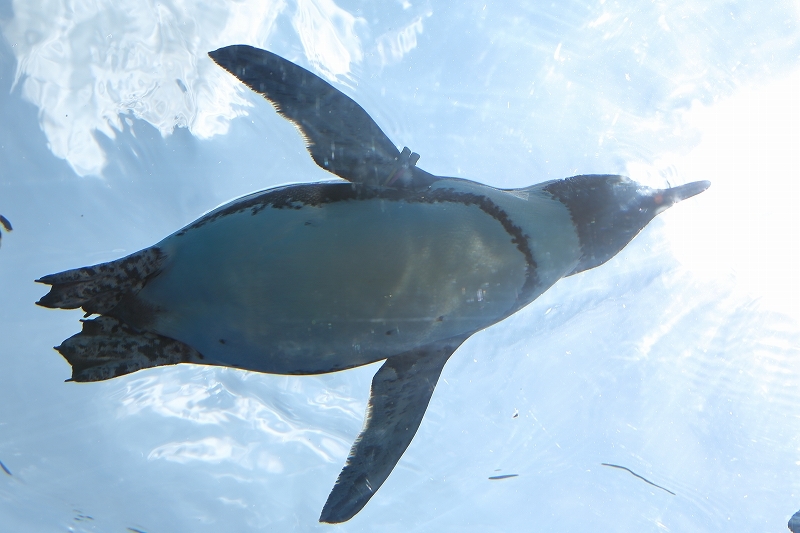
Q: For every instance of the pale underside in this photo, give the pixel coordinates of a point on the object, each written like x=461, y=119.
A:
x=322, y=288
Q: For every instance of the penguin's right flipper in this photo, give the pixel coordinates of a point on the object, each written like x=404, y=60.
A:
x=341, y=137
x=400, y=393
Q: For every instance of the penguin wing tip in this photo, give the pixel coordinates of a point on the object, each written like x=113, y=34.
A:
x=331, y=516
x=230, y=49
x=219, y=55
x=343, y=504
x=215, y=54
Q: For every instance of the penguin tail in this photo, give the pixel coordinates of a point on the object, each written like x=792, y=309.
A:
x=106, y=348
x=98, y=289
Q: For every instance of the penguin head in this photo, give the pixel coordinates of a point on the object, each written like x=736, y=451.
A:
x=608, y=211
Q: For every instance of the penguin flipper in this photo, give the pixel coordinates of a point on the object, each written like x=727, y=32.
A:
x=341, y=137
x=5, y=223
x=400, y=393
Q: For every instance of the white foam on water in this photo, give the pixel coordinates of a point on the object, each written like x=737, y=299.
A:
x=83, y=64
x=395, y=44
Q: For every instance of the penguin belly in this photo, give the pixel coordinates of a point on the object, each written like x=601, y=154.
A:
x=304, y=288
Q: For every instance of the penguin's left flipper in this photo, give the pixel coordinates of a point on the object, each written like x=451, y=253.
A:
x=400, y=393
x=341, y=137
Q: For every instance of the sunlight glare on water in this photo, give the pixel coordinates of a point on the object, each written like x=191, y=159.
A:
x=152, y=62
x=748, y=223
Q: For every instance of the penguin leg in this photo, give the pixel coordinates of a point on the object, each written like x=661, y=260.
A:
x=400, y=393
x=99, y=288
x=106, y=348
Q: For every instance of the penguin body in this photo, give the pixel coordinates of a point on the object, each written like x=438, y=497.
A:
x=315, y=278
x=393, y=264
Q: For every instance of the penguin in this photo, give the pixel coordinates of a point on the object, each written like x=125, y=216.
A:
x=5, y=224
x=388, y=263
x=794, y=523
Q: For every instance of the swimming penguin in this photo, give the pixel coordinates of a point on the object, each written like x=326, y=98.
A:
x=6, y=225
x=391, y=264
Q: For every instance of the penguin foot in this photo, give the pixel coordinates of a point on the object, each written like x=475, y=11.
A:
x=107, y=348
x=99, y=288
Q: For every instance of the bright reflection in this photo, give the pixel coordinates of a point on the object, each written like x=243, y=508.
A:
x=328, y=36
x=746, y=225
x=395, y=44
x=85, y=64
x=211, y=401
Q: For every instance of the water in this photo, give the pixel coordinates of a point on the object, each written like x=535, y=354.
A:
x=677, y=359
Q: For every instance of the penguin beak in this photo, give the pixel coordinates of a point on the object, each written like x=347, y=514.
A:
x=682, y=192
x=665, y=198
